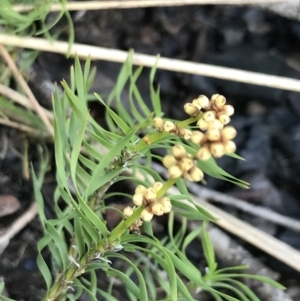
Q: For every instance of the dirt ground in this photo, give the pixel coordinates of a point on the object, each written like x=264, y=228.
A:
x=267, y=119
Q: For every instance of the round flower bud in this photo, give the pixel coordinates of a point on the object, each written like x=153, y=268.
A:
x=186, y=164
x=224, y=119
x=215, y=125
x=228, y=110
x=157, y=186
x=150, y=194
x=218, y=100
x=127, y=211
x=213, y=135
x=146, y=215
x=203, y=101
x=229, y=147
x=178, y=151
x=169, y=161
x=166, y=203
x=175, y=172
x=187, y=177
x=191, y=110
x=203, y=154
x=217, y=149
x=158, y=123
x=228, y=133
x=202, y=124
x=196, y=174
x=138, y=199
x=140, y=189
x=157, y=208
x=187, y=134
x=197, y=137
x=169, y=126
x=208, y=116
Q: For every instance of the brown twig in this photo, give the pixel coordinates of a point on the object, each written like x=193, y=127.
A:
x=11, y=64
x=97, y=5
x=114, y=55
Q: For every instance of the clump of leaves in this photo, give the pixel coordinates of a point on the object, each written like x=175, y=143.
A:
x=89, y=160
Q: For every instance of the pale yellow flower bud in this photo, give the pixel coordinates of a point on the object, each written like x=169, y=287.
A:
x=158, y=123
x=213, y=135
x=229, y=147
x=186, y=164
x=219, y=100
x=138, y=199
x=197, y=137
x=166, y=203
x=169, y=161
x=157, y=186
x=228, y=110
x=128, y=211
x=224, y=119
x=196, y=174
x=178, y=151
x=202, y=124
x=140, y=189
x=150, y=194
x=217, y=149
x=175, y=172
x=187, y=134
x=203, y=154
x=157, y=208
x=203, y=101
x=146, y=215
x=228, y=133
x=215, y=125
x=191, y=110
x=169, y=126
x=209, y=116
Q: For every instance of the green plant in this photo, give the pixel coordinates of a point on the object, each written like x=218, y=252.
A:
x=90, y=159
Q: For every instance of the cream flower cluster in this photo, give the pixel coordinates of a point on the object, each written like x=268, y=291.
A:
x=147, y=197
x=171, y=128
x=180, y=163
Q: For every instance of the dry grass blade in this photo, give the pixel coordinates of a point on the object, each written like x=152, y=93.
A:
x=11, y=64
x=97, y=5
x=99, y=53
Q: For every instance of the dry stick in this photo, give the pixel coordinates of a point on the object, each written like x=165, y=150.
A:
x=233, y=254
x=11, y=64
x=97, y=5
x=99, y=53
x=17, y=226
x=21, y=99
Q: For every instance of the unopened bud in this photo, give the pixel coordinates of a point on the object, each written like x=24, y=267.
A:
x=140, y=189
x=196, y=174
x=228, y=133
x=146, y=215
x=203, y=101
x=197, y=137
x=169, y=161
x=202, y=124
x=229, y=147
x=169, y=126
x=158, y=123
x=187, y=134
x=191, y=110
x=217, y=149
x=213, y=135
x=218, y=100
x=157, y=208
x=128, y=211
x=157, y=186
x=224, y=119
x=166, y=203
x=186, y=164
x=208, y=116
x=203, y=154
x=150, y=194
x=138, y=199
x=178, y=151
x=175, y=172
x=215, y=125
x=228, y=110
